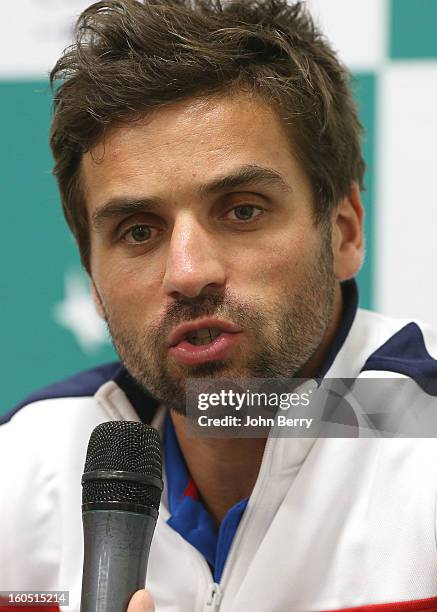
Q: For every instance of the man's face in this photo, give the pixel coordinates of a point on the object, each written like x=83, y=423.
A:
x=201, y=214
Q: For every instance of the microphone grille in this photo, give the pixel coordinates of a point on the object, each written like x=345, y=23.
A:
x=124, y=445
x=127, y=446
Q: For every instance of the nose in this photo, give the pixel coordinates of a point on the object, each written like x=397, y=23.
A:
x=193, y=263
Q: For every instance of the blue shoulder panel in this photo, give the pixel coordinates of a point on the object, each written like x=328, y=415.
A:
x=85, y=384
x=406, y=353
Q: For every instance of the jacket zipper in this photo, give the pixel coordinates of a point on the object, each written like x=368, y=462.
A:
x=215, y=596
x=213, y=593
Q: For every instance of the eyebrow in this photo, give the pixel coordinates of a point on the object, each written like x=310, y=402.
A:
x=244, y=176
x=123, y=206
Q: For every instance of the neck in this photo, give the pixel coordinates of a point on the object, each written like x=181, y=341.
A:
x=225, y=469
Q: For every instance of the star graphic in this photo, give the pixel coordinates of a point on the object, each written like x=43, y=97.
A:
x=76, y=312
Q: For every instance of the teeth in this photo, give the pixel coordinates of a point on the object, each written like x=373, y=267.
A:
x=203, y=336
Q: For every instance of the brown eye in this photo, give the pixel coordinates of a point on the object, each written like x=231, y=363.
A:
x=246, y=212
x=139, y=233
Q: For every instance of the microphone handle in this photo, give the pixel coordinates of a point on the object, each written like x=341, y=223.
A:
x=116, y=550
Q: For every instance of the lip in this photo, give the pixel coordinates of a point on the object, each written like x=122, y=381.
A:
x=178, y=334
x=188, y=354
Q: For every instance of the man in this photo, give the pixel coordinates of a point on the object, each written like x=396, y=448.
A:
x=209, y=165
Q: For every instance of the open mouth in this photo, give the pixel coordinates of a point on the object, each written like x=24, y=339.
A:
x=209, y=343
x=203, y=336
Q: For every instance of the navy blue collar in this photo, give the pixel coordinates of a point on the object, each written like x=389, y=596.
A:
x=349, y=291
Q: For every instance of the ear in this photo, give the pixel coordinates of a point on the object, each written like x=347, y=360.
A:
x=96, y=299
x=347, y=235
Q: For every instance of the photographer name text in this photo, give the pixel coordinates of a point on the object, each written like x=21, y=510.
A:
x=251, y=421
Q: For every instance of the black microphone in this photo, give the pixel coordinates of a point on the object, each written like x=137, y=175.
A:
x=121, y=490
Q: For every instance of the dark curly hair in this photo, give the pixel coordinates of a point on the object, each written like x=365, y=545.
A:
x=130, y=58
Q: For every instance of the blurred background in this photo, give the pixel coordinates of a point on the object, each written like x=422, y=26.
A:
x=49, y=329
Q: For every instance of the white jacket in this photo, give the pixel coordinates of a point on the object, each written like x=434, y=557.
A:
x=331, y=523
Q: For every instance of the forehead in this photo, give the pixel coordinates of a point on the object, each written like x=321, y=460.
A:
x=181, y=146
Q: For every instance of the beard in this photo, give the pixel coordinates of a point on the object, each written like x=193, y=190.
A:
x=285, y=333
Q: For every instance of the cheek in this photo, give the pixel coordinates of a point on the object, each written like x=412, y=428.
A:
x=129, y=291
x=281, y=262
